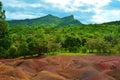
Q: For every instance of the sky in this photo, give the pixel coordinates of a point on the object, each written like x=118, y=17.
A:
x=86, y=11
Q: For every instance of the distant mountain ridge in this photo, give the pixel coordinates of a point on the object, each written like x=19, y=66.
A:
x=48, y=20
x=113, y=23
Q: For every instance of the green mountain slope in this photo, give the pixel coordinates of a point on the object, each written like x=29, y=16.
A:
x=69, y=21
x=48, y=20
x=113, y=23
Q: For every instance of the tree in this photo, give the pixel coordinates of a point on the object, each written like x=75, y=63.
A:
x=90, y=45
x=111, y=38
x=5, y=41
x=72, y=44
x=102, y=46
x=84, y=41
x=37, y=47
x=3, y=23
x=53, y=46
x=98, y=45
x=13, y=52
x=23, y=49
x=33, y=47
x=2, y=12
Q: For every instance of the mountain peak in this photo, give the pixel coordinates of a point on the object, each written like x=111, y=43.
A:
x=47, y=21
x=49, y=15
x=71, y=17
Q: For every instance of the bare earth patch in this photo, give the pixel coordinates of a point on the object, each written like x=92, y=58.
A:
x=87, y=67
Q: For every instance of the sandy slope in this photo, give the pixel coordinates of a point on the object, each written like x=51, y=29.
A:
x=91, y=67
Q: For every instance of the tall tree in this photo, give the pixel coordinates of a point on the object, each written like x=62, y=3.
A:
x=2, y=12
x=5, y=41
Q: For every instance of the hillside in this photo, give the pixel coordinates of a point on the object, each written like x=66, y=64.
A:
x=48, y=20
x=113, y=23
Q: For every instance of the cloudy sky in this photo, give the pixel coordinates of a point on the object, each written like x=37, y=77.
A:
x=87, y=11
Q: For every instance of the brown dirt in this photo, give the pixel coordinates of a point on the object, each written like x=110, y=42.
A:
x=89, y=67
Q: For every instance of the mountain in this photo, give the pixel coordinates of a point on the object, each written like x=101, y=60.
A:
x=113, y=23
x=69, y=21
x=48, y=20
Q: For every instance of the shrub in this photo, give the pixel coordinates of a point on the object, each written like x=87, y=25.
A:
x=83, y=49
x=72, y=44
x=13, y=52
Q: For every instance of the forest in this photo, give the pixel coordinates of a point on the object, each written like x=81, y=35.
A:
x=51, y=35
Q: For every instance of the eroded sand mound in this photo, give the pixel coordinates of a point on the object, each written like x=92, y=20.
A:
x=90, y=67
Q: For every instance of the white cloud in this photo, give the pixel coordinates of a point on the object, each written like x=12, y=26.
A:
x=106, y=16
x=23, y=15
x=75, y=5
x=20, y=4
x=97, y=3
x=59, y=2
x=35, y=5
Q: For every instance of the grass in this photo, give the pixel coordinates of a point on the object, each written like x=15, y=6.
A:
x=57, y=54
x=65, y=54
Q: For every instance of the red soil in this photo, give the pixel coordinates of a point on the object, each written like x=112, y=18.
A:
x=90, y=67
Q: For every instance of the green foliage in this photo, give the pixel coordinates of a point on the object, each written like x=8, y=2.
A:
x=83, y=49
x=23, y=49
x=13, y=52
x=97, y=39
x=5, y=41
x=33, y=47
x=98, y=45
x=72, y=44
x=112, y=38
x=53, y=47
x=3, y=28
x=2, y=12
x=83, y=42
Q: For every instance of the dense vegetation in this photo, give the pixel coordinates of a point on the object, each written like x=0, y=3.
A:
x=24, y=38
x=37, y=40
